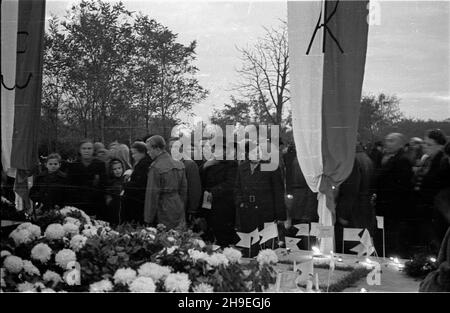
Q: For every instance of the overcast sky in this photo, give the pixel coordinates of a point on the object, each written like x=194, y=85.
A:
x=408, y=53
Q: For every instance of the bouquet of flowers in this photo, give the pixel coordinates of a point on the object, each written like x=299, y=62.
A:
x=67, y=251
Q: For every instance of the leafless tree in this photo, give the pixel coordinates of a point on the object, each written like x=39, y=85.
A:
x=265, y=73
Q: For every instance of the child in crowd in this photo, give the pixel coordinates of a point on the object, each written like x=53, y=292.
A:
x=48, y=190
x=114, y=191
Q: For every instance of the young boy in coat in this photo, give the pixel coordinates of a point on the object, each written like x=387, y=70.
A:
x=48, y=191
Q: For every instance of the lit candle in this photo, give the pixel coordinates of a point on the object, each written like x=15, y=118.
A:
x=309, y=286
x=316, y=250
x=433, y=259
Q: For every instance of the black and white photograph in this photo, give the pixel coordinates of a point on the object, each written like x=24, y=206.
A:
x=242, y=150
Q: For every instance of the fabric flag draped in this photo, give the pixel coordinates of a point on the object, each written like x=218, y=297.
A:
x=22, y=43
x=327, y=52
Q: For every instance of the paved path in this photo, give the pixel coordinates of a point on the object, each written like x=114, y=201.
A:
x=393, y=279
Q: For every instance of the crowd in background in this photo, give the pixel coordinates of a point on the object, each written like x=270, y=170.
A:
x=408, y=183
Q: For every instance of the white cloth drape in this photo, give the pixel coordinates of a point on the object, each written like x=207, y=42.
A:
x=9, y=26
x=306, y=78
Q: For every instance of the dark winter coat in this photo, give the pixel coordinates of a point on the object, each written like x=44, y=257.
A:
x=218, y=178
x=194, y=186
x=49, y=189
x=353, y=202
x=433, y=177
x=303, y=205
x=86, y=186
x=394, y=188
x=259, y=197
x=134, y=192
x=114, y=188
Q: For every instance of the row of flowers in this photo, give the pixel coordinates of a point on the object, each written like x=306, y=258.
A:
x=76, y=253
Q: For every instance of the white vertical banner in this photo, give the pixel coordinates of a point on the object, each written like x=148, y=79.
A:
x=306, y=78
x=327, y=51
x=306, y=63
x=9, y=28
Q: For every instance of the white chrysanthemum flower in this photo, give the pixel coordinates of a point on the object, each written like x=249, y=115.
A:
x=104, y=285
x=24, y=225
x=71, y=229
x=41, y=252
x=77, y=242
x=30, y=269
x=200, y=243
x=13, y=264
x=203, y=288
x=72, y=220
x=170, y=239
x=196, y=255
x=64, y=257
x=152, y=229
x=52, y=276
x=124, y=276
x=171, y=249
x=33, y=229
x=39, y=286
x=142, y=284
x=177, y=282
x=233, y=255
x=217, y=259
x=89, y=231
x=21, y=236
x=25, y=287
x=4, y=253
x=267, y=256
x=67, y=209
x=114, y=233
x=54, y=232
x=154, y=271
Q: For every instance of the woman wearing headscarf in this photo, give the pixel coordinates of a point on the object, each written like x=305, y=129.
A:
x=120, y=151
x=114, y=191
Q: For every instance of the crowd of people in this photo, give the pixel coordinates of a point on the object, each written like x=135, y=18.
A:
x=408, y=183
